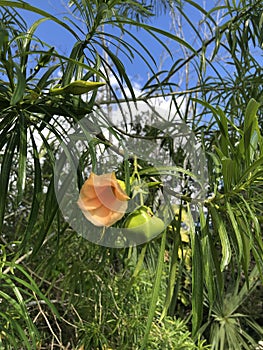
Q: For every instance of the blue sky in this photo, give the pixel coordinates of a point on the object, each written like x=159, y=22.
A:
x=138, y=72
x=55, y=35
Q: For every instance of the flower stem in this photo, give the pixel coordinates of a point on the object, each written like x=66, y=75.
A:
x=137, y=175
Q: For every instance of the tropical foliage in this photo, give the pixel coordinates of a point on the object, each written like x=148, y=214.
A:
x=198, y=283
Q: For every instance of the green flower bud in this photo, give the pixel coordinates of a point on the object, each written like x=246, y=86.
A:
x=77, y=87
x=142, y=224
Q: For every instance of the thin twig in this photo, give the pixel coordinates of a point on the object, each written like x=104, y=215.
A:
x=47, y=321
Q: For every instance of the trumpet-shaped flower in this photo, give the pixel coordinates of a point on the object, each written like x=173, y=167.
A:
x=102, y=200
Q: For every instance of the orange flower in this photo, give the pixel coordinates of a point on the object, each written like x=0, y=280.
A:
x=102, y=200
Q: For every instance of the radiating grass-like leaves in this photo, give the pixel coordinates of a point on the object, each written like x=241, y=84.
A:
x=226, y=329
x=127, y=49
x=18, y=319
x=17, y=316
x=24, y=313
x=148, y=55
x=8, y=337
x=19, y=307
x=29, y=283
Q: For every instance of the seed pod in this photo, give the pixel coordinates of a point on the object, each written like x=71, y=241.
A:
x=77, y=87
x=143, y=225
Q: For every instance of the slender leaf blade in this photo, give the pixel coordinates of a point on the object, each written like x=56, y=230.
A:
x=22, y=161
x=19, y=87
x=5, y=173
x=197, y=276
x=223, y=235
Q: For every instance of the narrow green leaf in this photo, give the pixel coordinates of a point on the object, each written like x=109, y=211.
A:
x=222, y=123
x=72, y=63
x=43, y=82
x=19, y=306
x=156, y=289
x=30, y=326
x=27, y=42
x=5, y=173
x=121, y=70
x=21, y=174
x=217, y=170
x=197, y=276
x=23, y=335
x=137, y=269
x=173, y=271
x=257, y=233
x=50, y=210
x=32, y=286
x=209, y=270
x=151, y=30
x=250, y=116
x=51, y=200
x=127, y=176
x=249, y=170
x=236, y=229
x=219, y=225
x=19, y=87
x=250, y=127
x=37, y=193
x=10, y=337
x=231, y=173
x=3, y=39
x=247, y=239
x=11, y=301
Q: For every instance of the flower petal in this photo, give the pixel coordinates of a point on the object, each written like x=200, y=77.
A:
x=88, y=203
x=102, y=200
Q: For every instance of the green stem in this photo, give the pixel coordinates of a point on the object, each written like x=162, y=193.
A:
x=137, y=175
